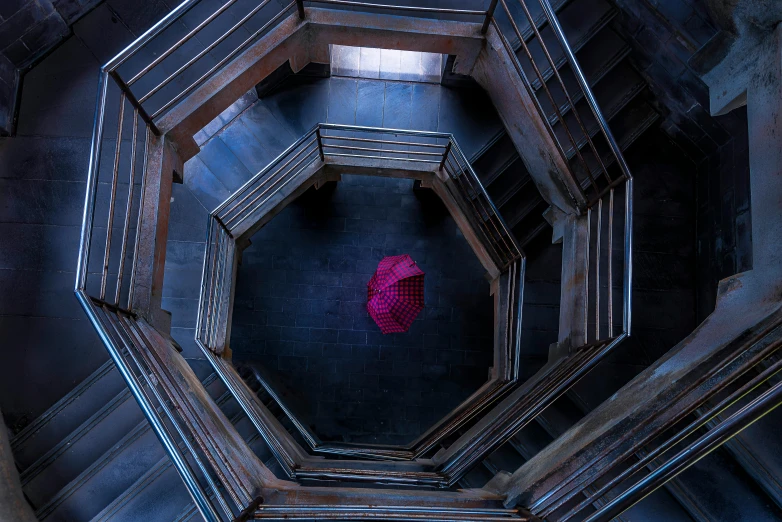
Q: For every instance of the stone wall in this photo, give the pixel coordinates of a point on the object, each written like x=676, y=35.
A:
x=665, y=36
x=28, y=30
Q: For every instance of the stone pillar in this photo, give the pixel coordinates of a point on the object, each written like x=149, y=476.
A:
x=573, y=301
x=764, y=114
x=163, y=164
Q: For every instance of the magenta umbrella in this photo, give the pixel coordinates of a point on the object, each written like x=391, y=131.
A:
x=395, y=293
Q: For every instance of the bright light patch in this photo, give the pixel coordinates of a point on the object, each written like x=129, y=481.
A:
x=386, y=64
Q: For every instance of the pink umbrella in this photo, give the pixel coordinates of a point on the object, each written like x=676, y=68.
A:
x=396, y=293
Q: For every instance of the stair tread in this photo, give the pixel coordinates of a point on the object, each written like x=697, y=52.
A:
x=521, y=205
x=579, y=22
x=68, y=414
x=560, y=416
x=493, y=160
x=705, y=485
x=600, y=56
x=758, y=449
x=513, y=179
x=626, y=126
x=159, y=495
x=87, y=481
x=613, y=93
x=80, y=449
x=522, y=22
x=89, y=493
x=224, y=164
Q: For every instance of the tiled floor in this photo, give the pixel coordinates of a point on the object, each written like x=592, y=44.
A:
x=300, y=312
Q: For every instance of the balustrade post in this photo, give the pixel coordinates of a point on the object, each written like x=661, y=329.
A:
x=489, y=16
x=320, y=144
x=161, y=163
x=300, y=8
x=445, y=155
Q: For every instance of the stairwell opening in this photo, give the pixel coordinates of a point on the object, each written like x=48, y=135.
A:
x=386, y=64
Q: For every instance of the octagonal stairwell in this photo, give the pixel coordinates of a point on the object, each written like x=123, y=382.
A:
x=154, y=489
x=242, y=145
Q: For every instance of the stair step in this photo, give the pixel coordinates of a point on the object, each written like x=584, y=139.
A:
x=531, y=440
x=275, y=135
x=157, y=496
x=162, y=497
x=717, y=488
x=560, y=416
x=477, y=477
x=627, y=126
x=66, y=415
x=107, y=478
x=522, y=204
x=225, y=117
x=596, y=59
x=580, y=21
x=495, y=159
x=513, y=179
x=80, y=449
x=301, y=103
x=505, y=458
x=246, y=147
x=526, y=235
x=612, y=93
x=82, y=482
x=758, y=449
x=536, y=12
x=160, y=494
x=224, y=164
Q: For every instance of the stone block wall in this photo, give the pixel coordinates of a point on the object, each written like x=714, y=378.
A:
x=28, y=30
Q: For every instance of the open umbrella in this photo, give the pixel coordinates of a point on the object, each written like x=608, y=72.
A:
x=395, y=293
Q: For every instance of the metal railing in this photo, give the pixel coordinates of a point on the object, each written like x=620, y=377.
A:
x=724, y=400
x=578, y=128
x=136, y=89
x=239, y=213
x=155, y=75
x=148, y=79
x=113, y=214
x=107, y=286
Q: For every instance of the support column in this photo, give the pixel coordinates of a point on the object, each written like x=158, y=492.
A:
x=573, y=295
x=162, y=164
x=764, y=115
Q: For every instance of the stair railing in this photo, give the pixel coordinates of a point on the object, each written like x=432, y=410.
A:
x=155, y=75
x=113, y=316
x=232, y=218
x=724, y=399
x=107, y=286
x=602, y=175
x=238, y=217
x=158, y=79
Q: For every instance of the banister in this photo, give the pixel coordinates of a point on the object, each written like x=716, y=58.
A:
x=157, y=424
x=150, y=33
x=553, y=21
x=711, y=440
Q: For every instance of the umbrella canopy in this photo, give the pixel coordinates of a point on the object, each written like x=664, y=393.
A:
x=395, y=293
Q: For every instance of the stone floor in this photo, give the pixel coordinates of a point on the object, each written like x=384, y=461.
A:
x=300, y=312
